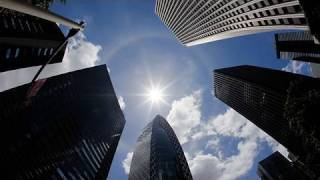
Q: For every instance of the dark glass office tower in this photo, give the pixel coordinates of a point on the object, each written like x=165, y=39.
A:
x=63, y=127
x=158, y=154
x=27, y=40
x=297, y=46
x=260, y=95
x=277, y=167
x=311, y=10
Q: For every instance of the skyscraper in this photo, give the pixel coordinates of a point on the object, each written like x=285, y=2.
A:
x=27, y=40
x=312, y=13
x=260, y=95
x=63, y=127
x=297, y=46
x=158, y=154
x=277, y=167
x=199, y=21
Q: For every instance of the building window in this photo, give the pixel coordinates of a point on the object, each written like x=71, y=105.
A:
x=21, y=25
x=28, y=25
x=5, y=23
x=13, y=24
x=45, y=51
x=16, y=55
x=8, y=53
x=51, y=51
x=35, y=27
x=39, y=51
x=40, y=28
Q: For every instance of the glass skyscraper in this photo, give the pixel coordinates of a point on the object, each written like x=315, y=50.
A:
x=277, y=167
x=63, y=127
x=297, y=46
x=260, y=95
x=27, y=41
x=158, y=154
x=312, y=12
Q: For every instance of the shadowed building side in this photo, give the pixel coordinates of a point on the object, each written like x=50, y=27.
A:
x=299, y=46
x=27, y=41
x=260, y=95
x=64, y=127
x=277, y=167
x=158, y=154
x=312, y=13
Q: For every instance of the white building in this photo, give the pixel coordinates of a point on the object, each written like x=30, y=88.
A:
x=200, y=21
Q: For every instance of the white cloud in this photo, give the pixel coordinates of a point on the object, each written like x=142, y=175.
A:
x=315, y=69
x=205, y=167
x=238, y=165
x=208, y=166
x=295, y=66
x=80, y=54
x=127, y=162
x=121, y=102
x=184, y=115
x=229, y=124
x=213, y=144
x=185, y=118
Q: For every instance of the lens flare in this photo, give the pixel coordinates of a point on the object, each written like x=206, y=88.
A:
x=155, y=95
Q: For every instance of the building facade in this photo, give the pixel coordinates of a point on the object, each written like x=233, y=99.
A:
x=297, y=46
x=63, y=127
x=312, y=14
x=260, y=95
x=27, y=41
x=199, y=21
x=277, y=167
x=158, y=154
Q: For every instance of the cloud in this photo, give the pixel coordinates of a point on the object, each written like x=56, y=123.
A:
x=213, y=144
x=208, y=166
x=228, y=124
x=121, y=102
x=233, y=125
x=238, y=165
x=127, y=162
x=185, y=119
x=184, y=115
x=205, y=167
x=295, y=67
x=80, y=54
x=315, y=70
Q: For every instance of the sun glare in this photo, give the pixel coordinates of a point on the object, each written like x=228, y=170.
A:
x=155, y=95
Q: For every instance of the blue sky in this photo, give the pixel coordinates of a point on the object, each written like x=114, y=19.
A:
x=139, y=50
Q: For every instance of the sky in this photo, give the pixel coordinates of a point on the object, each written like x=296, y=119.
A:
x=140, y=53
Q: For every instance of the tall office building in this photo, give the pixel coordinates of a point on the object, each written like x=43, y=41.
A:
x=297, y=46
x=63, y=127
x=158, y=154
x=260, y=95
x=312, y=12
x=277, y=167
x=27, y=40
x=199, y=21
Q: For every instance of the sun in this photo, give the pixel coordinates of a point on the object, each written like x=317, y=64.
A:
x=155, y=95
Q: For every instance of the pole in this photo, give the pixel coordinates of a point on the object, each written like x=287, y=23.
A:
x=71, y=33
x=26, y=8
